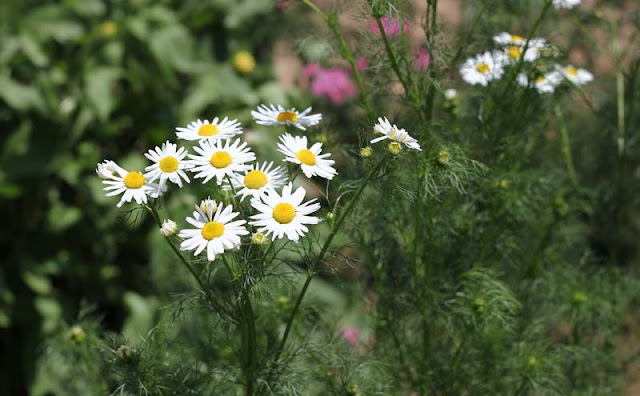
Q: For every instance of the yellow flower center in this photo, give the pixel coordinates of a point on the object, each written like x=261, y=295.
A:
x=482, y=68
x=285, y=116
x=208, y=130
x=517, y=39
x=168, y=164
x=514, y=52
x=540, y=79
x=306, y=157
x=255, y=179
x=571, y=70
x=211, y=230
x=134, y=180
x=284, y=213
x=221, y=159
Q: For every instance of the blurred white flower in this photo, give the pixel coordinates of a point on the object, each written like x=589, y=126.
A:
x=484, y=68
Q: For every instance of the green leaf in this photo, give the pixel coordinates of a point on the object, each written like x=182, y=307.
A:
x=47, y=22
x=40, y=284
x=61, y=217
x=19, y=96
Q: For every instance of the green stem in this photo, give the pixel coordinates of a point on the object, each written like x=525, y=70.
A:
x=566, y=147
x=347, y=54
x=183, y=260
x=320, y=257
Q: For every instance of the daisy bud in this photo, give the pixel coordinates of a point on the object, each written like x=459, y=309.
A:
x=395, y=148
x=366, y=152
x=205, y=204
x=77, y=334
x=125, y=353
x=105, y=170
x=258, y=238
x=443, y=157
x=450, y=94
x=169, y=228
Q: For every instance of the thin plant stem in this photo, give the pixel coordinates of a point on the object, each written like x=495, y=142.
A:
x=566, y=147
x=320, y=257
x=210, y=296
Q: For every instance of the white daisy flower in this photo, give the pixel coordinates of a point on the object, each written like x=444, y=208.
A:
x=311, y=161
x=105, y=170
x=284, y=214
x=168, y=164
x=575, y=75
x=505, y=38
x=132, y=185
x=257, y=179
x=169, y=228
x=392, y=132
x=220, y=159
x=214, y=231
x=483, y=68
x=568, y=4
x=280, y=116
x=214, y=130
x=543, y=84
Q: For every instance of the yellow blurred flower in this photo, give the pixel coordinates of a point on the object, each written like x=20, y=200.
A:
x=244, y=62
x=109, y=28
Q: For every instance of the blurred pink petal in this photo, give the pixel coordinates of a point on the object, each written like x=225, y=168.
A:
x=422, y=60
x=361, y=63
x=351, y=335
x=391, y=26
x=310, y=70
x=333, y=83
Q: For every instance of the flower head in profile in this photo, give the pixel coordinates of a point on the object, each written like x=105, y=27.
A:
x=132, y=185
x=169, y=228
x=568, y=4
x=214, y=130
x=395, y=134
x=309, y=158
x=574, y=75
x=505, y=38
x=255, y=180
x=391, y=26
x=545, y=83
x=484, y=68
x=284, y=215
x=278, y=115
x=220, y=159
x=214, y=231
x=168, y=164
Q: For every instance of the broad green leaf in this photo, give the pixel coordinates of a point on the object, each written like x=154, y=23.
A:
x=61, y=217
x=19, y=96
x=99, y=89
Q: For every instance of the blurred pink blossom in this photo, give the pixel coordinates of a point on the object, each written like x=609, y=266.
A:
x=422, y=60
x=391, y=26
x=362, y=63
x=351, y=335
x=333, y=83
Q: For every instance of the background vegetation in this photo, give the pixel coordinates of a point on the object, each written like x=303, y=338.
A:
x=505, y=263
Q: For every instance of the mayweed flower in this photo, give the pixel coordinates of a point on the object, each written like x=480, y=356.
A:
x=169, y=228
x=422, y=60
x=334, y=83
x=168, y=164
x=391, y=26
x=214, y=130
x=483, y=68
x=244, y=62
x=394, y=133
x=514, y=45
x=214, y=231
x=257, y=179
x=568, y=4
x=280, y=116
x=284, y=214
x=132, y=185
x=310, y=160
x=258, y=238
x=575, y=75
x=220, y=159
x=546, y=83
x=505, y=38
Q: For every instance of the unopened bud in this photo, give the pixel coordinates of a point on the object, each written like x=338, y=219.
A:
x=169, y=228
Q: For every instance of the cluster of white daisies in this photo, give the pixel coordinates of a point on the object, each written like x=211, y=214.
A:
x=491, y=65
x=220, y=155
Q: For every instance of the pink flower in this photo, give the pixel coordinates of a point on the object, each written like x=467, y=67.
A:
x=422, y=60
x=391, y=26
x=351, y=335
x=334, y=83
x=361, y=63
